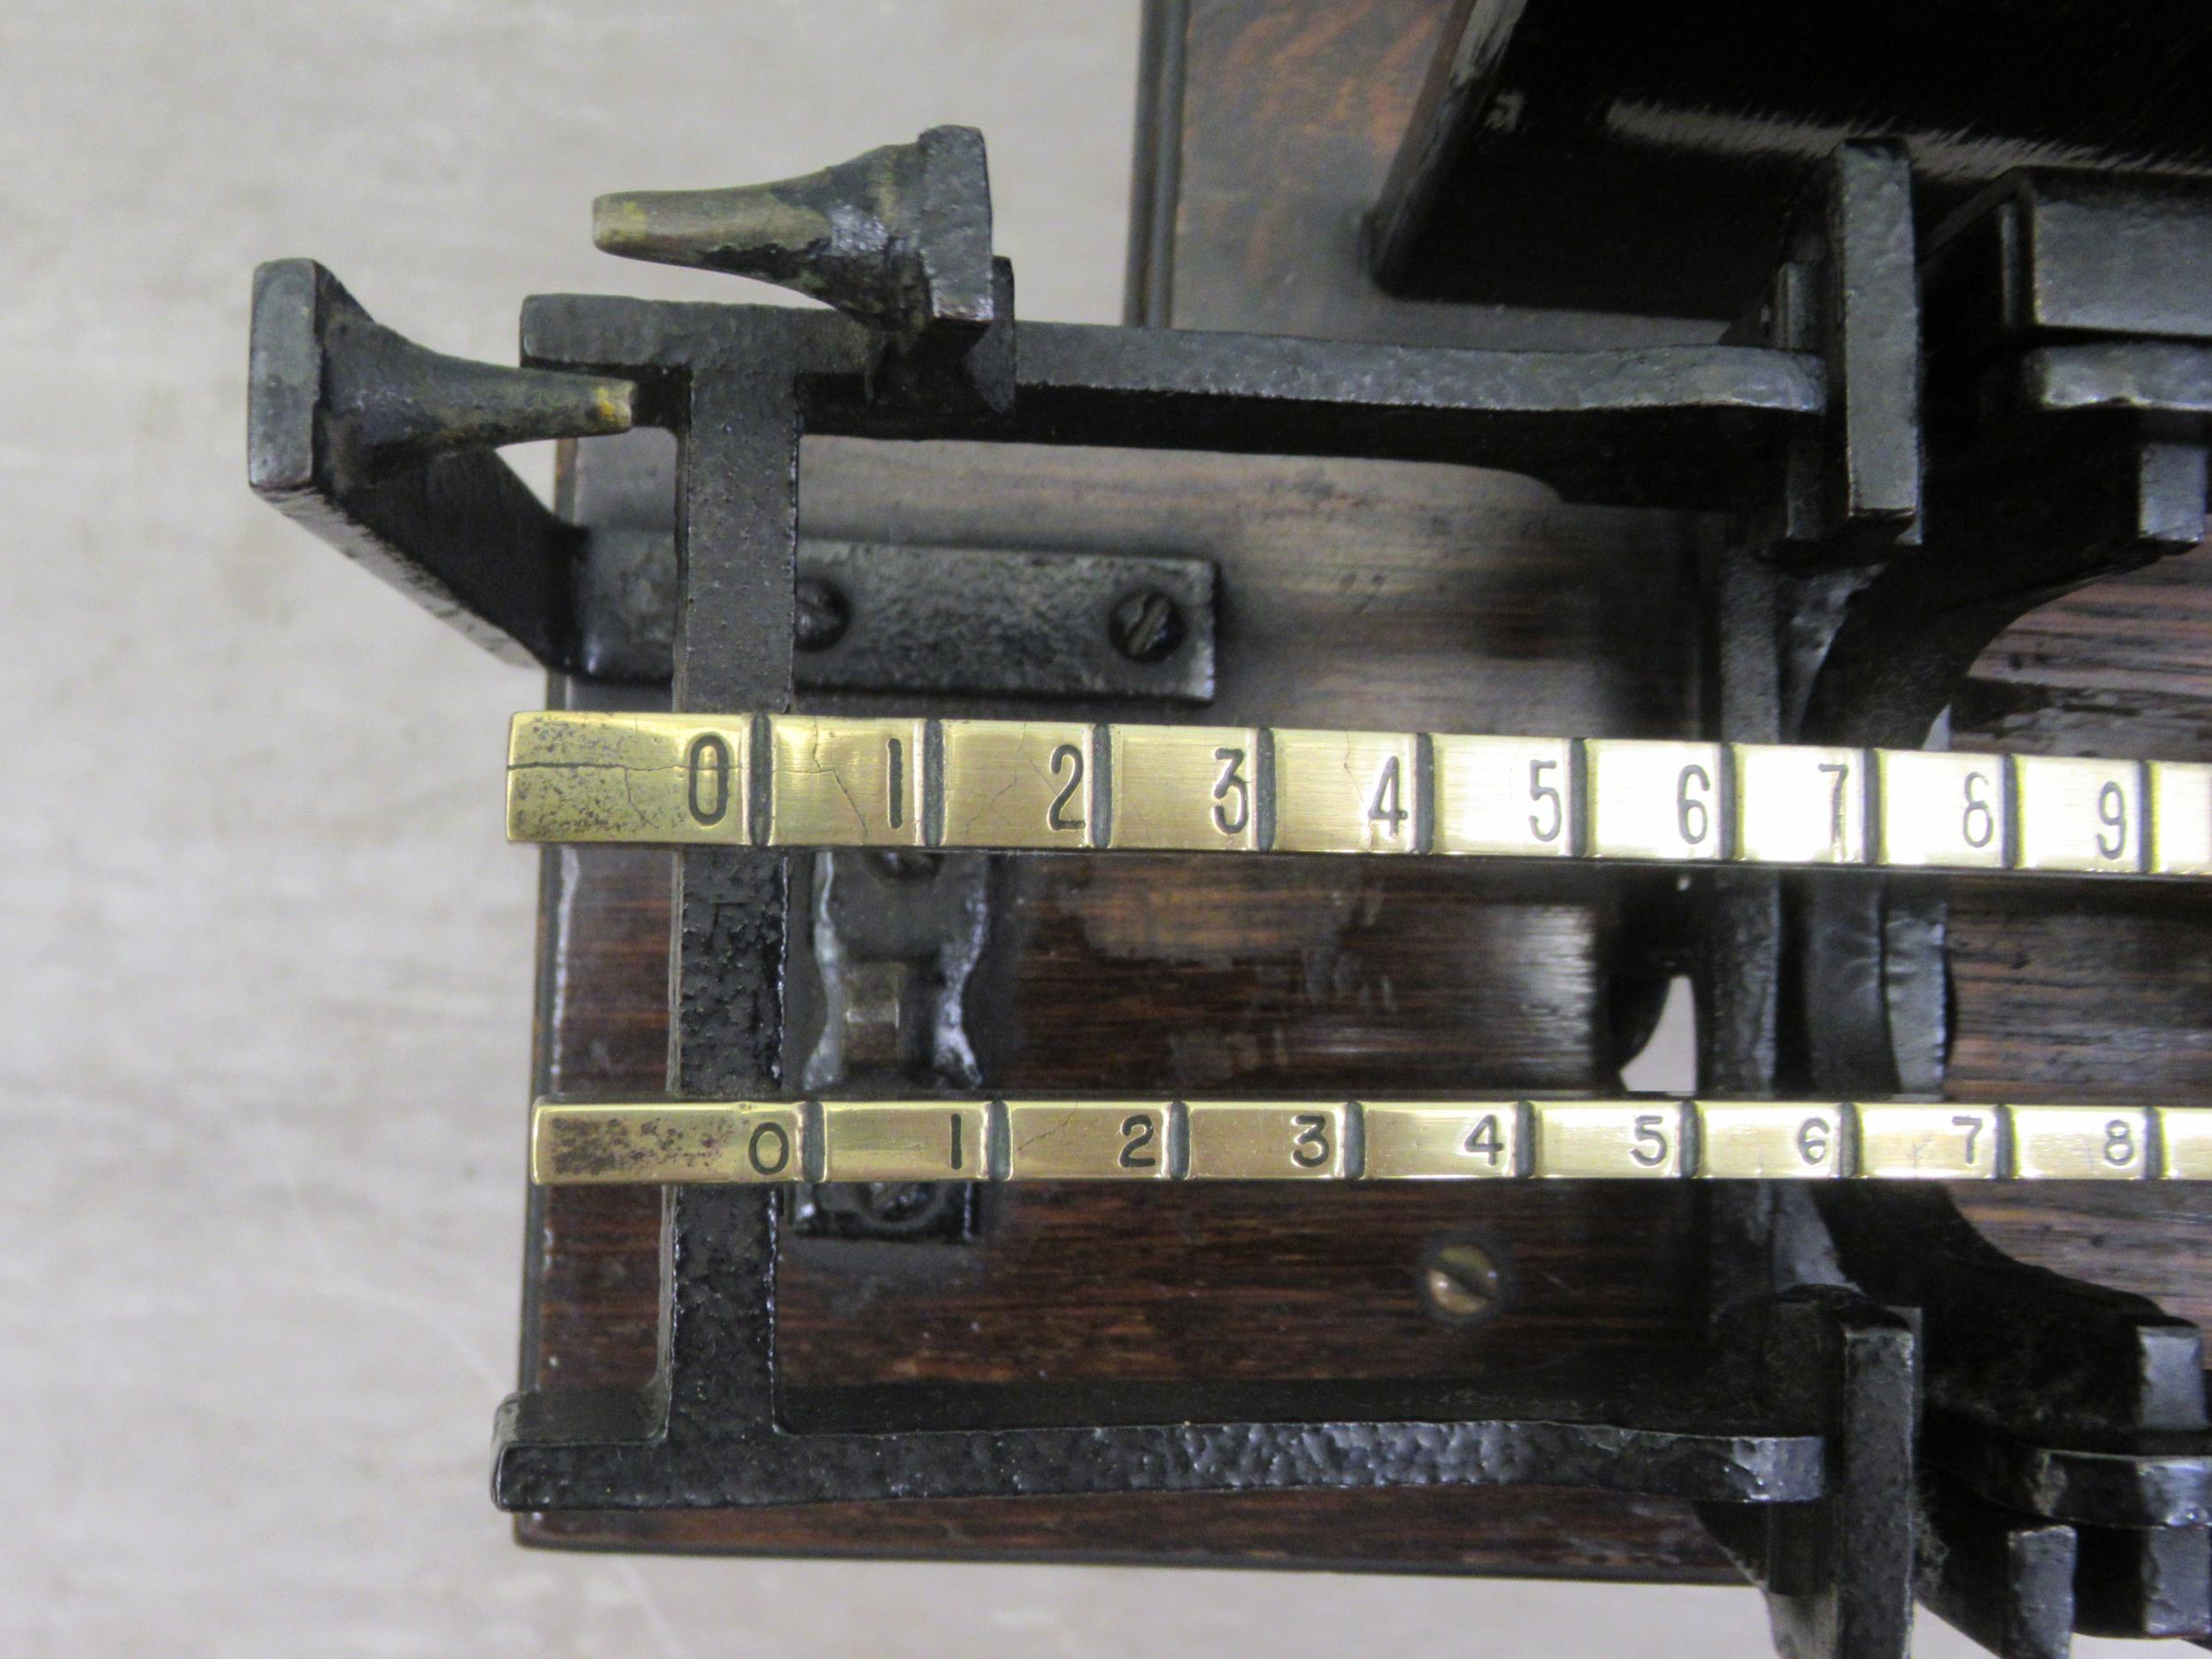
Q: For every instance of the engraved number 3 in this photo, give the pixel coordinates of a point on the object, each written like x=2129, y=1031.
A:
x=1233, y=796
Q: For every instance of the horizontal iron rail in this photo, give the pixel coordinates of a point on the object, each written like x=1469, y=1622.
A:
x=806, y=780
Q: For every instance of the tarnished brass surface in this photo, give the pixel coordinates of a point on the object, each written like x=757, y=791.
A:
x=1939, y=1143
x=1632, y=1138
x=669, y=779
x=1425, y=1142
x=593, y=1145
x=1194, y=788
x=2181, y=817
x=1012, y=783
x=2079, y=815
x=2079, y=1143
x=1346, y=792
x=844, y=783
x=1607, y=1139
x=1943, y=810
x=1655, y=800
x=1799, y=805
x=1090, y=1141
x=660, y=778
x=905, y=1140
x=1256, y=1141
x=1506, y=796
x=1770, y=1140
x=2184, y=1145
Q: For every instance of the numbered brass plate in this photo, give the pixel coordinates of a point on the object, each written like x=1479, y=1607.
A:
x=844, y=783
x=1658, y=801
x=1953, y=1143
x=678, y=779
x=1157, y=1140
x=1505, y=796
x=1944, y=811
x=586, y=1145
x=1267, y=1140
x=1423, y=1141
x=1010, y=783
x=1089, y=1140
x=1188, y=789
x=1071, y=786
x=1347, y=792
x=2079, y=815
x=1799, y=805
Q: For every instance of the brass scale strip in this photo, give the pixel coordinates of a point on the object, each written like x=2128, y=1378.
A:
x=808, y=780
x=675, y=779
x=577, y=1143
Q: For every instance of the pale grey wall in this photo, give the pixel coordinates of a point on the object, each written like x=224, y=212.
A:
x=264, y=957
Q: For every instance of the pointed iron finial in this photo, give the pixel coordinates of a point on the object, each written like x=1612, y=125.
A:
x=899, y=239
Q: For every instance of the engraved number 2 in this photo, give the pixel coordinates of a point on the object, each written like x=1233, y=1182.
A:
x=1233, y=796
x=1069, y=758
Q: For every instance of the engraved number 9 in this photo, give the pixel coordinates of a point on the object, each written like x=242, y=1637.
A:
x=2112, y=812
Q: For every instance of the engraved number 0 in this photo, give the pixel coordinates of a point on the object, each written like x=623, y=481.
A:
x=762, y=1161
x=708, y=791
